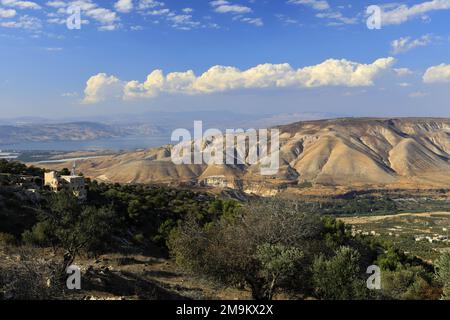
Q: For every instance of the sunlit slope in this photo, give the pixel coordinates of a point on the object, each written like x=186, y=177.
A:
x=337, y=152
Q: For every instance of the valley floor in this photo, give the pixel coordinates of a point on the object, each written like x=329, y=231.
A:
x=425, y=234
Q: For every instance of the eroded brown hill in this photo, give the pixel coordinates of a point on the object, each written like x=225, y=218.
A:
x=365, y=152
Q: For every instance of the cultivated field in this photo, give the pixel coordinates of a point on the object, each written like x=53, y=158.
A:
x=422, y=234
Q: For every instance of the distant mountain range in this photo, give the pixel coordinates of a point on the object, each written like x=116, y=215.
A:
x=72, y=131
x=366, y=153
x=34, y=129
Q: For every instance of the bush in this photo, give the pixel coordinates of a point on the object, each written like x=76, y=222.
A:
x=409, y=283
x=278, y=264
x=394, y=259
x=29, y=276
x=443, y=273
x=339, y=278
x=40, y=235
x=16, y=167
x=266, y=248
x=73, y=227
x=7, y=239
x=139, y=238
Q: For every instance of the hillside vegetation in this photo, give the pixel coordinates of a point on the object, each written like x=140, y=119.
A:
x=270, y=248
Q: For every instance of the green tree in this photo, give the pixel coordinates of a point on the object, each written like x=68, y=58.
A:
x=408, y=283
x=134, y=209
x=64, y=172
x=339, y=278
x=75, y=227
x=443, y=273
x=41, y=235
x=264, y=247
x=391, y=260
x=278, y=264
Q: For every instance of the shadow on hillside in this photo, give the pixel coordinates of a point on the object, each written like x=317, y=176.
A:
x=126, y=284
x=126, y=261
x=161, y=274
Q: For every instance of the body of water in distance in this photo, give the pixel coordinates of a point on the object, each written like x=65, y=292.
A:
x=122, y=143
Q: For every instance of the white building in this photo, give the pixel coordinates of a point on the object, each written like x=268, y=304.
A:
x=73, y=183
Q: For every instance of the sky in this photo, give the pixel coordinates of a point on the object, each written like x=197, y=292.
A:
x=244, y=56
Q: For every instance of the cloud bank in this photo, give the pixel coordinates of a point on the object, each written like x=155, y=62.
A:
x=331, y=72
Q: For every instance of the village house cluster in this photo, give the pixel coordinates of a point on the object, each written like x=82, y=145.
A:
x=435, y=238
x=432, y=239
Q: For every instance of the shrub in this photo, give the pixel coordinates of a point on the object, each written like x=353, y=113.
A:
x=139, y=238
x=73, y=227
x=443, y=273
x=408, y=283
x=265, y=248
x=41, y=235
x=7, y=239
x=339, y=278
x=278, y=264
x=29, y=276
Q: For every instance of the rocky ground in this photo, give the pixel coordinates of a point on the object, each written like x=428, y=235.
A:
x=116, y=276
x=108, y=277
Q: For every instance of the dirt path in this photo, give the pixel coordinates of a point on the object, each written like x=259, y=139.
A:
x=138, y=274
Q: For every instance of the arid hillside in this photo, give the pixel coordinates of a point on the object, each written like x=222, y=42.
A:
x=365, y=152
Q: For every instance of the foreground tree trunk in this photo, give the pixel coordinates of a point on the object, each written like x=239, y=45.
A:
x=261, y=291
x=69, y=258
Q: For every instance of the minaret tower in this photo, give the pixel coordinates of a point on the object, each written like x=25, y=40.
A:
x=73, y=168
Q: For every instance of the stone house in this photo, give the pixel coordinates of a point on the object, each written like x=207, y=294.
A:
x=74, y=183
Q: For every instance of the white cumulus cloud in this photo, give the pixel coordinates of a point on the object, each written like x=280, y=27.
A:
x=124, y=6
x=100, y=87
x=331, y=72
x=437, y=74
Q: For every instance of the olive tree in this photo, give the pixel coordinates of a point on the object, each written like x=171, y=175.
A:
x=73, y=227
x=443, y=273
x=339, y=277
x=264, y=248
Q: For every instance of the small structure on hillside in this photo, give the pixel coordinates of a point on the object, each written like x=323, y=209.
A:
x=72, y=182
x=220, y=181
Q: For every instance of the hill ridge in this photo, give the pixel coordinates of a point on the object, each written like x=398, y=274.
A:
x=349, y=152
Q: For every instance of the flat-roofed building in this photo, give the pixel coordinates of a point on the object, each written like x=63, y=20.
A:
x=75, y=184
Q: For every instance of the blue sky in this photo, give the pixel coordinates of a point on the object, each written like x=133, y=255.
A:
x=273, y=56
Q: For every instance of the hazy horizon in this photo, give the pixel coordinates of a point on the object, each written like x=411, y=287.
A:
x=265, y=57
